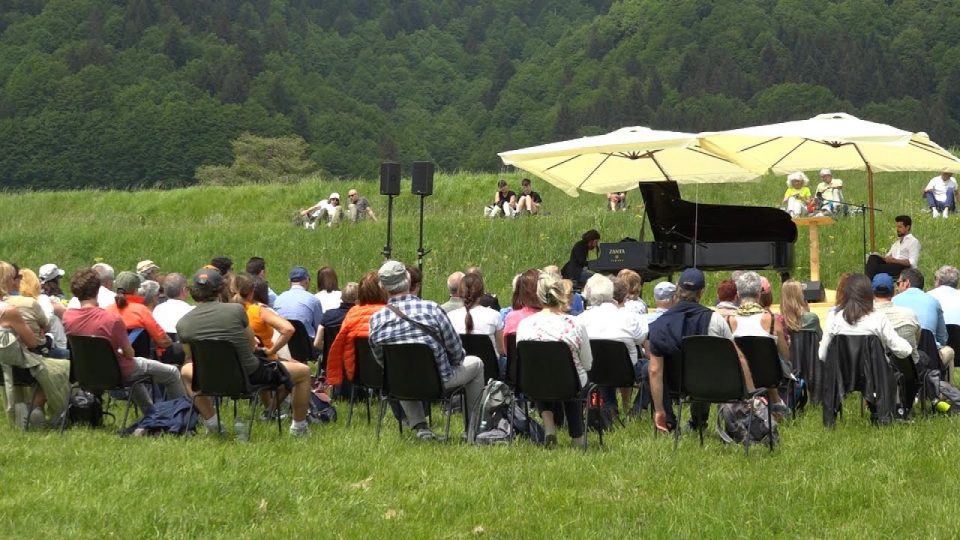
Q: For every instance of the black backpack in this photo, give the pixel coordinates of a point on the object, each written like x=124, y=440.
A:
x=86, y=409
x=740, y=423
x=599, y=415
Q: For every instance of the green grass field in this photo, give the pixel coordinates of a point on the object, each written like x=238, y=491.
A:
x=852, y=481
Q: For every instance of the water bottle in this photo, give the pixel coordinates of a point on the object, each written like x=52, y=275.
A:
x=240, y=430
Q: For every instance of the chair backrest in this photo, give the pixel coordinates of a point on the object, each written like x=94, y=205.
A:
x=928, y=344
x=710, y=369
x=512, y=379
x=300, y=346
x=763, y=359
x=546, y=371
x=216, y=369
x=410, y=372
x=611, y=364
x=94, y=363
x=953, y=338
x=329, y=334
x=804, y=350
x=853, y=353
x=174, y=337
x=479, y=345
x=141, y=343
x=366, y=371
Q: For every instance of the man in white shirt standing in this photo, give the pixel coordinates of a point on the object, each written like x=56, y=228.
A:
x=945, y=291
x=904, y=253
x=940, y=192
x=169, y=313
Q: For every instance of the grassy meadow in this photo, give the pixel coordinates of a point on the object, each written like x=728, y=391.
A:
x=851, y=481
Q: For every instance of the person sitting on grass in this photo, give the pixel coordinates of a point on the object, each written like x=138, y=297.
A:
x=529, y=200
x=504, y=202
x=797, y=196
x=328, y=211
x=940, y=193
x=394, y=324
x=332, y=318
x=371, y=298
x=551, y=323
x=358, y=209
x=213, y=319
x=52, y=374
x=617, y=201
x=92, y=320
x=135, y=314
x=473, y=318
x=264, y=321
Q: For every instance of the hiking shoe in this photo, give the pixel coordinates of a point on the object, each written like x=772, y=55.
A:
x=37, y=419
x=426, y=434
x=299, y=432
x=780, y=408
x=550, y=441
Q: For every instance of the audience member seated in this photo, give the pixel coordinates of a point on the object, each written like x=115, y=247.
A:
x=358, y=209
x=51, y=302
x=416, y=280
x=940, y=193
x=529, y=200
x=105, y=294
x=131, y=309
x=551, y=323
x=473, y=318
x=149, y=290
x=796, y=198
x=945, y=291
x=686, y=318
x=328, y=211
x=334, y=317
x=148, y=270
x=910, y=295
x=371, y=298
x=169, y=313
x=257, y=266
x=27, y=304
x=453, y=287
x=394, y=324
x=213, y=319
x=524, y=302
x=52, y=374
x=504, y=202
x=634, y=284
x=606, y=318
x=904, y=320
x=92, y=320
x=487, y=299
x=328, y=288
x=795, y=311
x=829, y=195
x=726, y=298
x=297, y=304
x=663, y=298
x=264, y=321
x=904, y=253
x=752, y=319
x=574, y=300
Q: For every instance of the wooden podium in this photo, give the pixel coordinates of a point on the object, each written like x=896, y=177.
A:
x=814, y=223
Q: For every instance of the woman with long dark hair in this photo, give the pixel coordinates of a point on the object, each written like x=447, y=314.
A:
x=473, y=318
x=576, y=267
x=855, y=317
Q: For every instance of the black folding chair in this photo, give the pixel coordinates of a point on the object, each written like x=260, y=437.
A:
x=218, y=373
x=546, y=372
x=953, y=340
x=711, y=373
x=329, y=334
x=410, y=373
x=300, y=344
x=910, y=378
x=511, y=375
x=141, y=343
x=612, y=367
x=24, y=379
x=479, y=345
x=94, y=367
x=367, y=374
x=928, y=344
x=764, y=361
x=805, y=357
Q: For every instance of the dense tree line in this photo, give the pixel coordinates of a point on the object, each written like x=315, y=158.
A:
x=143, y=92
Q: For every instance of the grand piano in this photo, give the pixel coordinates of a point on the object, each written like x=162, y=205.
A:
x=728, y=237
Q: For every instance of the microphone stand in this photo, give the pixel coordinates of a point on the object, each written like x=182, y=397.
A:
x=863, y=221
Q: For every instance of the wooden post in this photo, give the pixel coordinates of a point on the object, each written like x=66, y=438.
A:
x=814, y=224
x=873, y=243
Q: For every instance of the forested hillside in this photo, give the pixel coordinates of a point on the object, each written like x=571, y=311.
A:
x=142, y=92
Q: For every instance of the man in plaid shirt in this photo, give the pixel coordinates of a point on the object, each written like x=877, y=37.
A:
x=386, y=327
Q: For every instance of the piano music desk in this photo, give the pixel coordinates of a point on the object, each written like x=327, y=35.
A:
x=814, y=224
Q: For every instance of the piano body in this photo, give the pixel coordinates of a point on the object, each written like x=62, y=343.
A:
x=728, y=237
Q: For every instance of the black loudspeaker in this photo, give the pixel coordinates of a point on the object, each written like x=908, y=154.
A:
x=813, y=291
x=422, y=178
x=389, y=178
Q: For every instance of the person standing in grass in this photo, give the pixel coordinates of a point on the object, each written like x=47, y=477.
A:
x=552, y=323
x=213, y=319
x=92, y=320
x=406, y=320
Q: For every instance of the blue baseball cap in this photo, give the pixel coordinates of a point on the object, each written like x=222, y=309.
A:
x=299, y=273
x=692, y=280
x=882, y=283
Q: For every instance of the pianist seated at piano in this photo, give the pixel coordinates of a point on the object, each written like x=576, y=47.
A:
x=797, y=198
x=576, y=268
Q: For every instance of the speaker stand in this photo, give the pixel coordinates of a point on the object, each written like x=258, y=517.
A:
x=388, y=249
x=420, y=251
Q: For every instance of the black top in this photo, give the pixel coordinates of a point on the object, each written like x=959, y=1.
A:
x=577, y=262
x=502, y=198
x=535, y=196
x=490, y=301
x=334, y=317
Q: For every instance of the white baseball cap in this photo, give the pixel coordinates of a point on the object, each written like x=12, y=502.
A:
x=826, y=172
x=49, y=272
x=334, y=195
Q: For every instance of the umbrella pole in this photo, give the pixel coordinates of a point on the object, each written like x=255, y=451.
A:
x=873, y=243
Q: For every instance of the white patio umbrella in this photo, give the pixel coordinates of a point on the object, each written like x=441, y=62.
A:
x=619, y=160
x=836, y=141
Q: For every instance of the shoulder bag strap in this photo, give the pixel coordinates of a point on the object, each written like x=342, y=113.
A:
x=430, y=331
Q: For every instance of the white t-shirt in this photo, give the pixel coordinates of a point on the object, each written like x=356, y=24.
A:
x=105, y=298
x=329, y=299
x=169, y=313
x=908, y=248
x=607, y=321
x=939, y=187
x=57, y=330
x=486, y=321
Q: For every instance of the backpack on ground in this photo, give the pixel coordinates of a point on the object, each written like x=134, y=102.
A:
x=86, y=409
x=525, y=426
x=599, y=415
x=491, y=423
x=739, y=423
x=321, y=410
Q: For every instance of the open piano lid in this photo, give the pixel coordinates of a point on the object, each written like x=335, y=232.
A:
x=673, y=219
